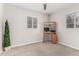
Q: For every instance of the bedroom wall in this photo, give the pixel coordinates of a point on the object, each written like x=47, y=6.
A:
x=17, y=18
x=1, y=14
x=66, y=36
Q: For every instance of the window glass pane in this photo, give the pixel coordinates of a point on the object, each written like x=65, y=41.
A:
x=34, y=22
x=29, y=22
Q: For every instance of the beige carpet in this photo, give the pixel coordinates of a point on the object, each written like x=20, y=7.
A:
x=42, y=49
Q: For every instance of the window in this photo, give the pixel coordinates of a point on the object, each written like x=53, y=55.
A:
x=31, y=22
x=73, y=20
x=34, y=22
x=70, y=21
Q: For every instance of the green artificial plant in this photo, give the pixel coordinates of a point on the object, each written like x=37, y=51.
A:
x=6, y=39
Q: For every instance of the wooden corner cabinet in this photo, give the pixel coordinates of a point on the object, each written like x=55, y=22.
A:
x=54, y=39
x=50, y=32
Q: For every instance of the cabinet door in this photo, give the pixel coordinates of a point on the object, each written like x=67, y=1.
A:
x=54, y=38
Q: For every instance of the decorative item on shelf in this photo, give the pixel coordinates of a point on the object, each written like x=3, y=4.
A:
x=46, y=29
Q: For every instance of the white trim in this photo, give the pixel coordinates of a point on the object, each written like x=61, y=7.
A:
x=68, y=45
x=1, y=51
x=21, y=45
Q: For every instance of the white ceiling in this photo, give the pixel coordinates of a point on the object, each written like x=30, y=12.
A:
x=51, y=7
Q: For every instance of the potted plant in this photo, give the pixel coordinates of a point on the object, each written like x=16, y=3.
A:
x=6, y=38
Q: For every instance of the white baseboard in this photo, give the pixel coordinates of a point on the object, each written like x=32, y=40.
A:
x=1, y=51
x=22, y=44
x=68, y=45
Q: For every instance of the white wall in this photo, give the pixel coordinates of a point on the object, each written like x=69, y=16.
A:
x=20, y=34
x=67, y=36
x=1, y=14
x=17, y=18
